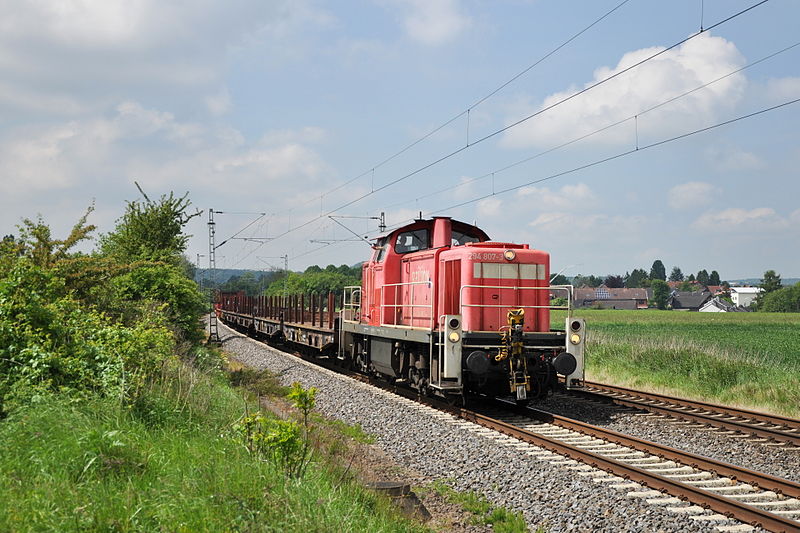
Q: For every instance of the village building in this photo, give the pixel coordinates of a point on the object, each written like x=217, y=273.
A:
x=744, y=296
x=717, y=305
x=688, y=300
x=607, y=298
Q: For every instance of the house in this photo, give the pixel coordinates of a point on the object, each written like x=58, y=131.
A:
x=609, y=298
x=744, y=296
x=716, y=305
x=688, y=300
x=716, y=290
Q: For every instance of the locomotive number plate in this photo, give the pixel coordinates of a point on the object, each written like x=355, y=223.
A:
x=485, y=256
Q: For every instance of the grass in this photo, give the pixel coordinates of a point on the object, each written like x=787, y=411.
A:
x=169, y=463
x=483, y=512
x=747, y=359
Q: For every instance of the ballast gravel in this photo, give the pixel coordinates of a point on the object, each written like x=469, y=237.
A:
x=447, y=449
x=779, y=461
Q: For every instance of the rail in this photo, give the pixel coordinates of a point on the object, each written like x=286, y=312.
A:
x=773, y=427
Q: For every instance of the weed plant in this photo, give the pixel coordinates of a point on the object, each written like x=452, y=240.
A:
x=170, y=462
x=483, y=512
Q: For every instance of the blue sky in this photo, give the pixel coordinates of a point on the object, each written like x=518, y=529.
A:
x=255, y=106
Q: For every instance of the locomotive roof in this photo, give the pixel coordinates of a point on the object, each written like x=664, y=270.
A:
x=457, y=224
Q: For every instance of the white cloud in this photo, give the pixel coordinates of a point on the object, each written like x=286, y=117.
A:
x=743, y=220
x=590, y=227
x=569, y=196
x=729, y=159
x=692, y=64
x=690, y=195
x=82, y=55
x=490, y=206
x=434, y=22
x=153, y=147
x=782, y=89
x=219, y=103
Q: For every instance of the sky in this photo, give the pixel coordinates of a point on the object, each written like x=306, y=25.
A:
x=544, y=122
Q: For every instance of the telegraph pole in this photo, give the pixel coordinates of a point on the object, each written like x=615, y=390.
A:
x=213, y=331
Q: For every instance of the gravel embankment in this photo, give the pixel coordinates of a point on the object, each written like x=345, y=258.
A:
x=768, y=459
x=440, y=448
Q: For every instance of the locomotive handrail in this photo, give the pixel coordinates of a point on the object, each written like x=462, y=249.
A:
x=351, y=306
x=411, y=305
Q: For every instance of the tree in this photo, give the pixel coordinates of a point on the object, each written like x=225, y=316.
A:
x=614, y=282
x=657, y=271
x=660, y=293
x=637, y=278
x=713, y=279
x=676, y=274
x=691, y=278
x=771, y=282
x=560, y=279
x=150, y=231
x=587, y=281
x=785, y=300
x=38, y=244
x=702, y=277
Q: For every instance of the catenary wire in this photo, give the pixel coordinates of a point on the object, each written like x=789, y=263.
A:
x=595, y=132
x=520, y=121
x=471, y=107
x=595, y=163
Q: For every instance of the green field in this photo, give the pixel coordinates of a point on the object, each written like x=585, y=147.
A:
x=747, y=359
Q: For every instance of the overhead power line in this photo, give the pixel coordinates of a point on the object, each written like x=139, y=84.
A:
x=595, y=132
x=623, y=154
x=588, y=165
x=473, y=106
x=522, y=120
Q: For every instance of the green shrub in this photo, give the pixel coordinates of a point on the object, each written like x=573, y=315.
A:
x=259, y=382
x=165, y=287
x=49, y=344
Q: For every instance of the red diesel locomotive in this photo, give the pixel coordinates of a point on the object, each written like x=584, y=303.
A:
x=444, y=309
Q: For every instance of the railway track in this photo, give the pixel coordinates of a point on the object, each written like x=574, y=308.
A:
x=685, y=482
x=732, y=491
x=681, y=481
x=770, y=430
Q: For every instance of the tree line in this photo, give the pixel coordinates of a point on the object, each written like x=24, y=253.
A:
x=314, y=279
x=641, y=278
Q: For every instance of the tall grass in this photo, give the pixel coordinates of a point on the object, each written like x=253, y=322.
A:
x=746, y=359
x=170, y=463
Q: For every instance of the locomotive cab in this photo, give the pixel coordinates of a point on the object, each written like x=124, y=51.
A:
x=447, y=310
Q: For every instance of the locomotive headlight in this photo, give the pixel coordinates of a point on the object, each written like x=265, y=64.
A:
x=575, y=338
x=509, y=255
x=454, y=336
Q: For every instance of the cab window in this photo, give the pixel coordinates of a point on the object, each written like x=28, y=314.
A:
x=411, y=241
x=380, y=250
x=459, y=238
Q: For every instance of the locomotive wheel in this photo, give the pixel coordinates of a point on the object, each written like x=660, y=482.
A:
x=416, y=380
x=456, y=400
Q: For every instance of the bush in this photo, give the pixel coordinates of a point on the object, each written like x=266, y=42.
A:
x=160, y=283
x=48, y=343
x=786, y=300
